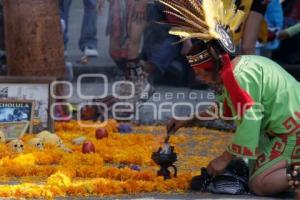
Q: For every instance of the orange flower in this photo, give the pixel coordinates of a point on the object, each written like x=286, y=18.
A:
x=78, y=174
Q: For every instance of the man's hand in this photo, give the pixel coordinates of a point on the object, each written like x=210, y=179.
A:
x=173, y=125
x=218, y=165
x=283, y=35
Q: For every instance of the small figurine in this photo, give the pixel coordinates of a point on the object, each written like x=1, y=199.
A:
x=135, y=168
x=88, y=147
x=52, y=139
x=37, y=143
x=125, y=128
x=17, y=145
x=2, y=137
x=101, y=133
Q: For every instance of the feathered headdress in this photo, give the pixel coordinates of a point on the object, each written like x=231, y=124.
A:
x=210, y=20
x=205, y=21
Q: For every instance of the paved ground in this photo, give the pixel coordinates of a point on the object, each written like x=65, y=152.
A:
x=74, y=53
x=190, y=196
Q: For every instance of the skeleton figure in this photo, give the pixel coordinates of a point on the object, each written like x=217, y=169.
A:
x=43, y=134
x=49, y=138
x=2, y=137
x=37, y=143
x=17, y=145
x=52, y=139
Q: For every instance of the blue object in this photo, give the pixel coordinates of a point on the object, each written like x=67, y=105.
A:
x=135, y=168
x=125, y=128
x=160, y=48
x=165, y=54
x=274, y=18
x=88, y=36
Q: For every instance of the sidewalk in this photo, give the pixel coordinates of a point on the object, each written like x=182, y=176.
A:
x=103, y=63
x=185, y=196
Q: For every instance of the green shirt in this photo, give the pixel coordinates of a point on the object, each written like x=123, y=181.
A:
x=279, y=95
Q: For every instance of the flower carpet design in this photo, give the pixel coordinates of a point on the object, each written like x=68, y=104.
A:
x=120, y=165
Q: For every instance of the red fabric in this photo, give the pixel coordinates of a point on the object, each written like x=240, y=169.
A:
x=247, y=152
x=277, y=150
x=238, y=96
x=207, y=65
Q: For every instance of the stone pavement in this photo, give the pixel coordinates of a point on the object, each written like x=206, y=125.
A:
x=185, y=196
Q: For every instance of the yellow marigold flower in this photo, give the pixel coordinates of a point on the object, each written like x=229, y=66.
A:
x=59, y=179
x=78, y=174
x=25, y=159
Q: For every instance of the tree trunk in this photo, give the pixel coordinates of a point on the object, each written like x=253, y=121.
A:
x=34, y=41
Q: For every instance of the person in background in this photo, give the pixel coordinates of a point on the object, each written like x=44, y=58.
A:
x=163, y=54
x=88, y=37
x=127, y=21
x=274, y=20
x=289, y=50
x=252, y=26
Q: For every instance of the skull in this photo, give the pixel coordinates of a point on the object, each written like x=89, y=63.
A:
x=2, y=137
x=43, y=134
x=17, y=145
x=52, y=139
x=37, y=143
